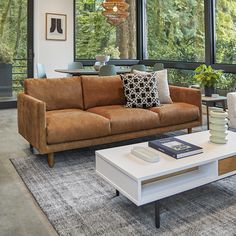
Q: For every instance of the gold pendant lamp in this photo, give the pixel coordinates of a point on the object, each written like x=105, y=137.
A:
x=115, y=11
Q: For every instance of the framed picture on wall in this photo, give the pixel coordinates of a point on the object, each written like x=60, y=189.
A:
x=56, y=26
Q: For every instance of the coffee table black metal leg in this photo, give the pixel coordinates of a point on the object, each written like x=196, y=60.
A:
x=157, y=214
x=117, y=193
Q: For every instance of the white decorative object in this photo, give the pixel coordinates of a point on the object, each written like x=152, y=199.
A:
x=215, y=95
x=146, y=154
x=218, y=126
x=100, y=61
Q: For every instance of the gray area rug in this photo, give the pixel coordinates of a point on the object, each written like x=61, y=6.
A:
x=78, y=202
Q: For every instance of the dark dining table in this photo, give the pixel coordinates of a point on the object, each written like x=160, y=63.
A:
x=89, y=71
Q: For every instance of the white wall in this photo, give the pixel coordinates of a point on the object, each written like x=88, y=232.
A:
x=53, y=54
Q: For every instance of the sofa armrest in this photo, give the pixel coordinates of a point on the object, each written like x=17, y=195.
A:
x=32, y=120
x=187, y=95
x=231, y=101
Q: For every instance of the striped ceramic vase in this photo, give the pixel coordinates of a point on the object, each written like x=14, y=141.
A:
x=218, y=126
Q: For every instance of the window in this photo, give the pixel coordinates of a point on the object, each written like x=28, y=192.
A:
x=13, y=34
x=94, y=36
x=175, y=30
x=182, y=78
x=226, y=31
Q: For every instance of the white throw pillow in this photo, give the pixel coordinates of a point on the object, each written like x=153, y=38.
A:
x=140, y=72
x=163, y=86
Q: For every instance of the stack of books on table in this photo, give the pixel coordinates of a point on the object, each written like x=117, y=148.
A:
x=175, y=147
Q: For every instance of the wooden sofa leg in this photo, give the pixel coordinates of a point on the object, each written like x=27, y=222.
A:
x=190, y=130
x=51, y=159
x=31, y=148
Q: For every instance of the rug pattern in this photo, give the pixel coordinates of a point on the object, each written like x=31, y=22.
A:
x=78, y=202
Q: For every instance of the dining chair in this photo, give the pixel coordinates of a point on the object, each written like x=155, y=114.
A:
x=41, y=71
x=138, y=67
x=75, y=65
x=107, y=70
x=158, y=66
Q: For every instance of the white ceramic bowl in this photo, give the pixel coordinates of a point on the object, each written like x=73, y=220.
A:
x=102, y=58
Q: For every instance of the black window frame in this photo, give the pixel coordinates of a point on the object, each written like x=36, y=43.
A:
x=210, y=49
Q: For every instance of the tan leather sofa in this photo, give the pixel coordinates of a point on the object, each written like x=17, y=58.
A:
x=60, y=114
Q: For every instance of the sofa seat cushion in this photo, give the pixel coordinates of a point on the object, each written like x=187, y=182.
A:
x=124, y=119
x=73, y=125
x=176, y=113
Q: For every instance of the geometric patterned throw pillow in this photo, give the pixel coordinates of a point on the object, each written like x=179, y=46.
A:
x=162, y=85
x=140, y=90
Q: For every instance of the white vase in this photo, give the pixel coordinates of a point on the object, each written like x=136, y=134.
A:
x=101, y=61
x=218, y=126
x=102, y=58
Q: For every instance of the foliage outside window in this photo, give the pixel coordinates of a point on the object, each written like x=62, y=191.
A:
x=175, y=30
x=226, y=31
x=13, y=33
x=180, y=77
x=94, y=36
x=185, y=78
x=6, y=55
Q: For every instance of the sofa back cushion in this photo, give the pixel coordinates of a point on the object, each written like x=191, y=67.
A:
x=56, y=93
x=102, y=91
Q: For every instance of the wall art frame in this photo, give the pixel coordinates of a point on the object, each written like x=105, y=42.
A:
x=56, y=27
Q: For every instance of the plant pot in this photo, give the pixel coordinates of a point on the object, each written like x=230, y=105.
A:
x=209, y=91
x=5, y=80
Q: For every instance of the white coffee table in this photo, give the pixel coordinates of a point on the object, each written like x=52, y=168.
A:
x=143, y=182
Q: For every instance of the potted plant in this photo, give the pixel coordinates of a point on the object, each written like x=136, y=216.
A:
x=6, y=60
x=208, y=78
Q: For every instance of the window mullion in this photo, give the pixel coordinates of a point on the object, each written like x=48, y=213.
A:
x=209, y=31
